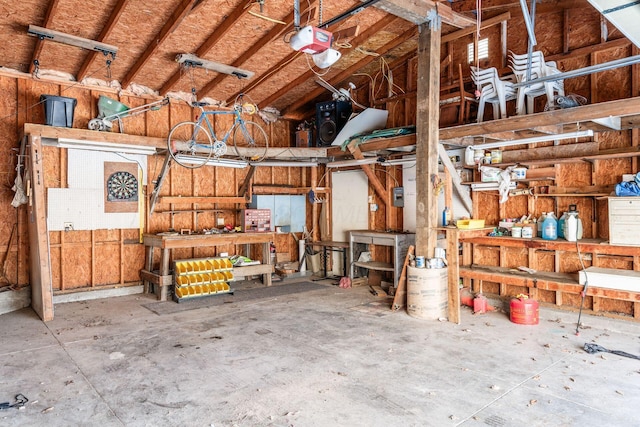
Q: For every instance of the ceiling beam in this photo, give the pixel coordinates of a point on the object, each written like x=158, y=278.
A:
x=621, y=107
x=53, y=6
x=362, y=38
x=104, y=34
x=416, y=11
x=223, y=28
x=344, y=74
x=275, y=32
x=172, y=23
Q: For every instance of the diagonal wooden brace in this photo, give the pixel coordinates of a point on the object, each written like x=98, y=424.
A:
x=368, y=170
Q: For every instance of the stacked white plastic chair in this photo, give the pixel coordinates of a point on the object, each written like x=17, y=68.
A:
x=492, y=90
x=523, y=71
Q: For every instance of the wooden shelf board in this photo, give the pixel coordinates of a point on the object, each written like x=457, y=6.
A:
x=375, y=265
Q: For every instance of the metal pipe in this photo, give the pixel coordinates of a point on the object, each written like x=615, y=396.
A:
x=530, y=44
x=583, y=71
x=296, y=14
x=527, y=22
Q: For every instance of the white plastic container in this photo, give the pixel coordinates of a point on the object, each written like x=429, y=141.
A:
x=571, y=227
x=520, y=173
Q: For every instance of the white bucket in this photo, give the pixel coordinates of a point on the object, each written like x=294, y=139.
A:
x=427, y=295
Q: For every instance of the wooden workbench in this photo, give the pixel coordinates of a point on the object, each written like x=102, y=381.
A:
x=166, y=243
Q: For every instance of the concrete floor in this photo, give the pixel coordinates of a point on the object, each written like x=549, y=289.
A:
x=325, y=357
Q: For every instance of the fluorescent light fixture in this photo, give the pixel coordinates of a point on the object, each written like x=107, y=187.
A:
x=353, y=162
x=292, y=164
x=57, y=36
x=80, y=144
x=469, y=152
x=489, y=186
x=226, y=163
x=371, y=161
x=407, y=160
x=190, y=60
x=542, y=138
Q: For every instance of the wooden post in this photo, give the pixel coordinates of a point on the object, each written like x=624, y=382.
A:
x=427, y=120
x=39, y=261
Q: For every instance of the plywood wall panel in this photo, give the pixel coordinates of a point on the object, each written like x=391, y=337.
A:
x=614, y=139
x=157, y=121
x=77, y=266
x=570, y=263
x=545, y=261
x=56, y=267
x=132, y=254
x=280, y=175
x=549, y=26
x=573, y=175
x=486, y=255
x=280, y=132
x=515, y=257
x=610, y=171
x=546, y=296
x=623, y=263
x=616, y=83
x=584, y=27
x=516, y=207
x=602, y=211
x=616, y=306
x=107, y=263
x=579, y=85
x=84, y=108
x=132, y=124
x=488, y=206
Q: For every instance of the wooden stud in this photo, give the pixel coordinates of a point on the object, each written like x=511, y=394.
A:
x=40, y=263
x=428, y=115
x=566, y=25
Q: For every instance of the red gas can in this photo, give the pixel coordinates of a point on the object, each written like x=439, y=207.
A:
x=524, y=310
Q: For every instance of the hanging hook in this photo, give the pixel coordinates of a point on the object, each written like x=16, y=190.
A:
x=36, y=68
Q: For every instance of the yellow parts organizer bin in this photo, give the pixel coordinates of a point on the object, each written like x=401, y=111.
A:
x=470, y=223
x=202, y=277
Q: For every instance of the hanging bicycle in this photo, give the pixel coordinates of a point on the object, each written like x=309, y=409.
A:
x=192, y=145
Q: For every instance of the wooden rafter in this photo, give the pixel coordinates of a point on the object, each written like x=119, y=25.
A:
x=274, y=33
x=211, y=41
x=104, y=34
x=362, y=38
x=172, y=23
x=51, y=11
x=344, y=74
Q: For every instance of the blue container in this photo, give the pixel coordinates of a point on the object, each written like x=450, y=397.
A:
x=550, y=227
x=58, y=110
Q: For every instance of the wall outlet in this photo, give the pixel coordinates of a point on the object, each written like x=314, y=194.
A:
x=68, y=226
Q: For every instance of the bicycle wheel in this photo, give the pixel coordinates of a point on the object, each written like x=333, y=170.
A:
x=190, y=145
x=250, y=141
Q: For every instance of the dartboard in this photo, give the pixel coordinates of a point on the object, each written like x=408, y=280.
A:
x=122, y=186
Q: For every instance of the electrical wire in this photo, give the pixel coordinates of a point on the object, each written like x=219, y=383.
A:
x=583, y=293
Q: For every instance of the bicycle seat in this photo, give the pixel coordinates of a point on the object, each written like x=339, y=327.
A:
x=199, y=104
